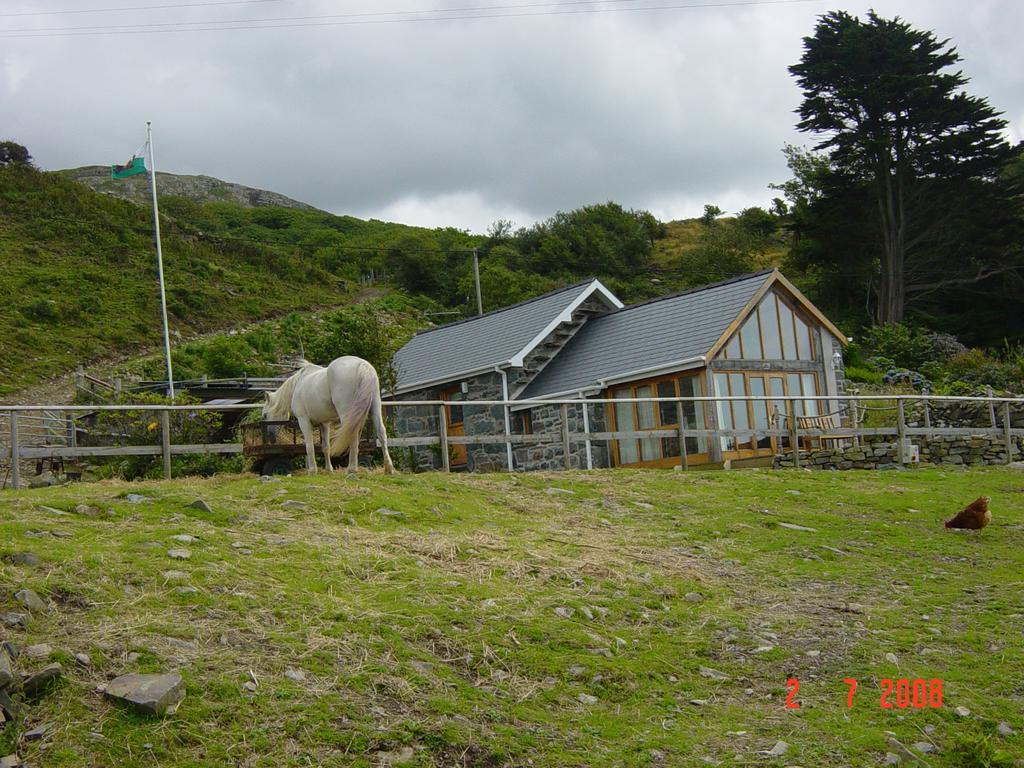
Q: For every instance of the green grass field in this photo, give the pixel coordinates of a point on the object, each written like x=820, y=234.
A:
x=491, y=620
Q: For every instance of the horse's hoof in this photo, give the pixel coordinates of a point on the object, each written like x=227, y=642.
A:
x=351, y=475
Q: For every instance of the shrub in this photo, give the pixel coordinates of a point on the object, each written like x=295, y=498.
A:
x=976, y=367
x=975, y=750
x=905, y=346
x=944, y=346
x=41, y=311
x=863, y=375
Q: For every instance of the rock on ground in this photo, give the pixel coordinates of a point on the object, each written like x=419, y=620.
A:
x=152, y=694
x=35, y=684
x=39, y=651
x=6, y=670
x=38, y=732
x=30, y=600
x=713, y=674
x=795, y=527
x=23, y=558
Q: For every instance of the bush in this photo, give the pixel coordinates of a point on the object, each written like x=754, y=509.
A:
x=976, y=750
x=905, y=346
x=863, y=375
x=142, y=427
x=41, y=311
x=945, y=346
x=976, y=367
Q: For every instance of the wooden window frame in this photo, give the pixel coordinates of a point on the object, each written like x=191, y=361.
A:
x=702, y=458
x=665, y=461
x=526, y=417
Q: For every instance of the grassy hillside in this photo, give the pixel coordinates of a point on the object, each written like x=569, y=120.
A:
x=78, y=273
x=600, y=619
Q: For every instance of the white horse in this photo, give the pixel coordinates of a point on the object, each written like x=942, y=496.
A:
x=342, y=396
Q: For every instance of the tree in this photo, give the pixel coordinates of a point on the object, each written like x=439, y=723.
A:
x=12, y=153
x=896, y=120
x=603, y=239
x=711, y=212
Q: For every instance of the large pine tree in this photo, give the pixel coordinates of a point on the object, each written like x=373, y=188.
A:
x=896, y=121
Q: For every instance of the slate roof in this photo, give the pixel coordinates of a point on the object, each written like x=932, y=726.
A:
x=444, y=353
x=645, y=336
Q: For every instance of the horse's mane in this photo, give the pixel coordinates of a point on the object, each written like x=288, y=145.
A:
x=279, y=402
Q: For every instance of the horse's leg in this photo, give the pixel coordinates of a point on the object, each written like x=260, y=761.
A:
x=382, y=435
x=325, y=443
x=307, y=435
x=353, y=453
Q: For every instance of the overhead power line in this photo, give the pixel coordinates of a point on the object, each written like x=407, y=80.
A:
x=63, y=11
x=323, y=17
x=481, y=13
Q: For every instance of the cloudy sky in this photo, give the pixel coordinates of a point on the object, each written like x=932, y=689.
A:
x=381, y=111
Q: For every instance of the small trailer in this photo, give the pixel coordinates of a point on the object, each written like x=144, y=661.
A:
x=273, y=446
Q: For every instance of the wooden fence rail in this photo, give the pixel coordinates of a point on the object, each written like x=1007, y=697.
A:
x=16, y=449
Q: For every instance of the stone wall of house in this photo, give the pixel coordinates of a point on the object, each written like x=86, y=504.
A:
x=424, y=420
x=974, y=450
x=839, y=368
x=416, y=421
x=485, y=420
x=550, y=454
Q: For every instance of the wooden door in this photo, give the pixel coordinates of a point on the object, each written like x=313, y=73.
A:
x=456, y=426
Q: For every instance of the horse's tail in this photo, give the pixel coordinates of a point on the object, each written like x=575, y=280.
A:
x=354, y=417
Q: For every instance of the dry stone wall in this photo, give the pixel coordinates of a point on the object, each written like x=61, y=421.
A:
x=974, y=450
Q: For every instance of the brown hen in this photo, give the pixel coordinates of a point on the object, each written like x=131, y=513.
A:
x=974, y=516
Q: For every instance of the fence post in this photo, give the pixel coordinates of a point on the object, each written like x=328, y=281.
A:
x=991, y=408
x=927, y=419
x=901, y=433
x=69, y=427
x=794, y=432
x=15, y=453
x=1007, y=434
x=565, y=436
x=855, y=422
x=684, y=460
x=443, y=429
x=586, y=429
x=165, y=442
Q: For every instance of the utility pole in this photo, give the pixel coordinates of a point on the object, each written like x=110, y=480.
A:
x=476, y=277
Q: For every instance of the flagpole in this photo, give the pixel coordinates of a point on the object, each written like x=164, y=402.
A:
x=159, y=260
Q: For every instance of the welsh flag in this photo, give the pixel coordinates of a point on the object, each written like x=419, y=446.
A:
x=133, y=167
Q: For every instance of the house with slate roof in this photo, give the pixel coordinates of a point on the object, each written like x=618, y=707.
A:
x=751, y=335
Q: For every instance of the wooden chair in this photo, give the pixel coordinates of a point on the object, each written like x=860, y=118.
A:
x=823, y=423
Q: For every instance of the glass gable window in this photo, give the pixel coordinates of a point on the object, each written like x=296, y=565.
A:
x=775, y=331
